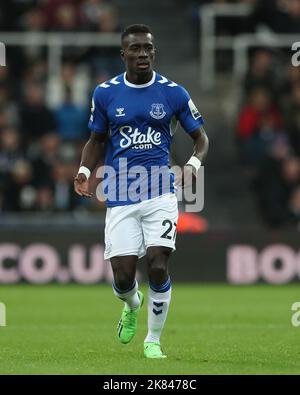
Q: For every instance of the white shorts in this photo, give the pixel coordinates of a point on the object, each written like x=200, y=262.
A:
x=130, y=230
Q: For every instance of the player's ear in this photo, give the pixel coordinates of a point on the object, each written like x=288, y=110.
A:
x=122, y=53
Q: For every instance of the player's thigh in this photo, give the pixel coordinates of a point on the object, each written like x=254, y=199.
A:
x=159, y=222
x=123, y=232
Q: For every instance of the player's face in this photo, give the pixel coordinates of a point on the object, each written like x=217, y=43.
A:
x=138, y=53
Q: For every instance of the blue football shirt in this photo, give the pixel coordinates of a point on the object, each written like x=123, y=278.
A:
x=141, y=121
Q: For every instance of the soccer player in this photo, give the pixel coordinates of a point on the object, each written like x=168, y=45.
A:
x=133, y=115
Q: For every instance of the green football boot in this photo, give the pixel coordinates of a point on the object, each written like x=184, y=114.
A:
x=153, y=350
x=127, y=325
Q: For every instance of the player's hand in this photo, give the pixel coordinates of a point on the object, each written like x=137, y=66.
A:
x=81, y=186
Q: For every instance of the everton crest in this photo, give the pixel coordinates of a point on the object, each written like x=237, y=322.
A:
x=157, y=111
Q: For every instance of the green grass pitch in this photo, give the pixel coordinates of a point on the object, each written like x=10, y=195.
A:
x=211, y=329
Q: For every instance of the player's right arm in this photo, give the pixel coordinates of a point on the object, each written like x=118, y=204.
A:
x=90, y=157
x=93, y=149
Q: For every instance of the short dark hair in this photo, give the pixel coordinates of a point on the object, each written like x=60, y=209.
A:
x=137, y=28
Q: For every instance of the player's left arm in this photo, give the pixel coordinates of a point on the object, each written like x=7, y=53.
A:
x=191, y=168
x=201, y=144
x=192, y=122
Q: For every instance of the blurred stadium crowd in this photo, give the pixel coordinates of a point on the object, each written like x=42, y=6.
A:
x=268, y=135
x=268, y=122
x=281, y=16
x=43, y=123
x=268, y=129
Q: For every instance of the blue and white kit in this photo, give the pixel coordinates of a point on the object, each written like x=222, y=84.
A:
x=140, y=121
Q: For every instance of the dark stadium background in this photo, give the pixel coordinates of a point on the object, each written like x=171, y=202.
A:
x=234, y=57
x=236, y=268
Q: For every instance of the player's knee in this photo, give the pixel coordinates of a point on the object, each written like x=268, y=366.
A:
x=123, y=281
x=157, y=270
x=124, y=272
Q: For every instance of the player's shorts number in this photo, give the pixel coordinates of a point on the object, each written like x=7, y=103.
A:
x=170, y=225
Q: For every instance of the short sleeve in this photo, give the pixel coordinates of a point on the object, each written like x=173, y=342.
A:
x=98, y=120
x=188, y=114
